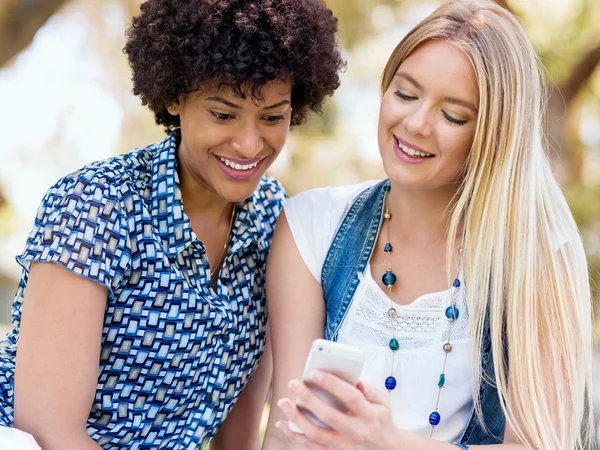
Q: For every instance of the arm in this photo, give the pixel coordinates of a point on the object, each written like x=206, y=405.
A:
x=241, y=429
x=296, y=318
x=58, y=356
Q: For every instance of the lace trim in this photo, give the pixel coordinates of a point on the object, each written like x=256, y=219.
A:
x=421, y=324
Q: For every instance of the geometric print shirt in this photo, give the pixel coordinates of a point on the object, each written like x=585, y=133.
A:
x=176, y=353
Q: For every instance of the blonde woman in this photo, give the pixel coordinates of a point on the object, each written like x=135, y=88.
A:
x=462, y=277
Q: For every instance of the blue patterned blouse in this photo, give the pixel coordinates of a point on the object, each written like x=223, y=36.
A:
x=175, y=354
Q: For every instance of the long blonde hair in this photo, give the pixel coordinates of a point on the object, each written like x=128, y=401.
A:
x=522, y=249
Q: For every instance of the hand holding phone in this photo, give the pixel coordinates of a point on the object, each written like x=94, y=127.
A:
x=344, y=361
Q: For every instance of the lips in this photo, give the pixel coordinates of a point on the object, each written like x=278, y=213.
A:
x=239, y=169
x=412, y=150
x=410, y=155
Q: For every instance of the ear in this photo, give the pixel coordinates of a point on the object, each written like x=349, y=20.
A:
x=174, y=108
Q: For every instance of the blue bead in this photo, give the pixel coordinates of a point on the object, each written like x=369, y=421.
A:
x=387, y=188
x=389, y=279
x=434, y=418
x=390, y=383
x=456, y=283
x=452, y=312
x=460, y=445
x=388, y=248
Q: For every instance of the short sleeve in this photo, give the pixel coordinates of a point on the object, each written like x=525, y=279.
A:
x=314, y=216
x=271, y=197
x=80, y=226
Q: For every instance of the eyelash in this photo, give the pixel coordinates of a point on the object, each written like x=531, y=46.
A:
x=449, y=118
x=222, y=117
x=277, y=119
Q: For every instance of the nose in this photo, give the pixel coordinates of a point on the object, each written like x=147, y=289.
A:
x=248, y=142
x=419, y=120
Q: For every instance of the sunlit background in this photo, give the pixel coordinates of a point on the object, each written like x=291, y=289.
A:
x=66, y=100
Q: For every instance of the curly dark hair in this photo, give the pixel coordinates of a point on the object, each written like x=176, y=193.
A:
x=174, y=46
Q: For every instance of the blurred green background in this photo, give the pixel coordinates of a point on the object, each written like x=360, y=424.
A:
x=66, y=91
x=66, y=94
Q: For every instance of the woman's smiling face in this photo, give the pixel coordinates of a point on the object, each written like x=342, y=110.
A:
x=229, y=142
x=428, y=116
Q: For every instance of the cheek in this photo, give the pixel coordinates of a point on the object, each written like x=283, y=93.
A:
x=391, y=114
x=458, y=144
x=277, y=136
x=385, y=122
x=456, y=137
x=207, y=135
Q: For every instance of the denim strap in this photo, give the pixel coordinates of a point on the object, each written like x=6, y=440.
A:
x=349, y=255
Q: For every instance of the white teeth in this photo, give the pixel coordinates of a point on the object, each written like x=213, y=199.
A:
x=237, y=166
x=412, y=151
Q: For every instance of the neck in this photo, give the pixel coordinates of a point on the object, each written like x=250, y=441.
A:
x=199, y=199
x=420, y=215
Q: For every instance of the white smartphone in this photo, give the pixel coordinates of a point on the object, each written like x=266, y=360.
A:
x=341, y=360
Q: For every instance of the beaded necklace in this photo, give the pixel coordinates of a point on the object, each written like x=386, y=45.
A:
x=389, y=279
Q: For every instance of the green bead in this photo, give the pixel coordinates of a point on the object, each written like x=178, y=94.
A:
x=387, y=188
x=442, y=380
x=394, y=344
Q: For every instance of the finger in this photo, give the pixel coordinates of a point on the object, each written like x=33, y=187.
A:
x=297, y=438
x=325, y=412
x=360, y=386
x=350, y=396
x=313, y=432
x=373, y=395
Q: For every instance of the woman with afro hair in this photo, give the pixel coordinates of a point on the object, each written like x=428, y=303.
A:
x=140, y=315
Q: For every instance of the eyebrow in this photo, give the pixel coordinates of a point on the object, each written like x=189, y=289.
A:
x=453, y=100
x=458, y=101
x=277, y=105
x=233, y=105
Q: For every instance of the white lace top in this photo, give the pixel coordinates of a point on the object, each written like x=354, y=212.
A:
x=421, y=327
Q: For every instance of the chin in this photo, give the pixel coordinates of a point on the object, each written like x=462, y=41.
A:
x=237, y=192
x=401, y=178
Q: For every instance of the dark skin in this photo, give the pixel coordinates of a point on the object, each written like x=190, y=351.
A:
x=59, y=345
x=216, y=123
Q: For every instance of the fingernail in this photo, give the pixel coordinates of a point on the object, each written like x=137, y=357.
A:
x=294, y=385
x=284, y=405
x=317, y=375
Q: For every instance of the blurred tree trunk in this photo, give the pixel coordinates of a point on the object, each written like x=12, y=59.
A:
x=561, y=120
x=562, y=116
x=19, y=22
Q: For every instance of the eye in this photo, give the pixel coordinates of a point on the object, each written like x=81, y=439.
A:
x=273, y=119
x=222, y=117
x=451, y=119
x=405, y=97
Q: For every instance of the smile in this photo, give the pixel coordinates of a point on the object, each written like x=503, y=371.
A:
x=236, y=166
x=411, y=151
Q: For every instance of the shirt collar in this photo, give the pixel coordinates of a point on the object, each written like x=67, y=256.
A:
x=247, y=230
x=169, y=219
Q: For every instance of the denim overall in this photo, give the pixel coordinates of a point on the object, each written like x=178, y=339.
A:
x=347, y=259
